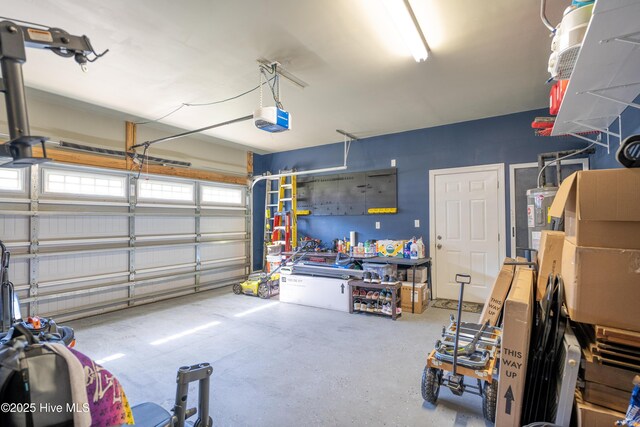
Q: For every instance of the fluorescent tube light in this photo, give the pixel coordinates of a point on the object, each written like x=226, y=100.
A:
x=407, y=25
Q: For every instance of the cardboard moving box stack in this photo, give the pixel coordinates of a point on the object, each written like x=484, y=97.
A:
x=601, y=271
x=601, y=251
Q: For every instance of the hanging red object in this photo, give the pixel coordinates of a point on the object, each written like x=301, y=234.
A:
x=287, y=232
x=556, y=95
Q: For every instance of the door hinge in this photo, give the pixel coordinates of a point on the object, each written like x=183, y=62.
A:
x=498, y=237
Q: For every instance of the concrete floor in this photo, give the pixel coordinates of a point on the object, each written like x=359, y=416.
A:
x=282, y=364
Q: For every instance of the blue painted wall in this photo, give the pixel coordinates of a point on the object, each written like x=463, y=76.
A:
x=505, y=139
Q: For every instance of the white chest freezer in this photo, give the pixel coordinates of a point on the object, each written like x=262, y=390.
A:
x=322, y=292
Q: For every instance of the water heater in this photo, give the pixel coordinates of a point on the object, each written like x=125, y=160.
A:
x=539, y=202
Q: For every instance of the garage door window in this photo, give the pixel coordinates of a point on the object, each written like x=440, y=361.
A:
x=11, y=180
x=86, y=184
x=165, y=190
x=213, y=195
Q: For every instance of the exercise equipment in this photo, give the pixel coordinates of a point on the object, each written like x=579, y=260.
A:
x=466, y=350
x=153, y=415
x=10, y=316
x=36, y=374
x=628, y=155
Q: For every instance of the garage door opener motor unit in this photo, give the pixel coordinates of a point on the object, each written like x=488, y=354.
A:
x=272, y=119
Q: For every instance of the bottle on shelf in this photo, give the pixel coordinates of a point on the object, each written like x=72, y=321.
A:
x=414, y=250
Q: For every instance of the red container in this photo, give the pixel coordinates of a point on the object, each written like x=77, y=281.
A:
x=556, y=95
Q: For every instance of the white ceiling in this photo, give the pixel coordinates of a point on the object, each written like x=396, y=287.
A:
x=488, y=58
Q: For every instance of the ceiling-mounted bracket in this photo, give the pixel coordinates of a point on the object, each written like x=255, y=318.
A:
x=606, y=131
x=297, y=81
x=597, y=141
x=348, y=139
x=626, y=38
x=596, y=92
x=597, y=129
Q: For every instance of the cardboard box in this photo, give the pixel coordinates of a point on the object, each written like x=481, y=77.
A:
x=601, y=208
x=421, y=275
x=516, y=334
x=549, y=259
x=612, y=376
x=596, y=416
x=605, y=396
x=602, y=285
x=420, y=296
x=495, y=302
x=390, y=248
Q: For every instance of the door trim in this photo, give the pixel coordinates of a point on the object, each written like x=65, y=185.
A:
x=502, y=205
x=512, y=192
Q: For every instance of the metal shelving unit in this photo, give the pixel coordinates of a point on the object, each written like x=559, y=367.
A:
x=605, y=79
x=360, y=284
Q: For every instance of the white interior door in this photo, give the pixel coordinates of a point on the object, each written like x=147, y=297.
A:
x=467, y=220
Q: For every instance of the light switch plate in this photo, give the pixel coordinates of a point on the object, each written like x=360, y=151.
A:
x=416, y=223
x=393, y=163
x=377, y=225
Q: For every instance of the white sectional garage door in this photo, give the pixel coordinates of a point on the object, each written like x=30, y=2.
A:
x=87, y=240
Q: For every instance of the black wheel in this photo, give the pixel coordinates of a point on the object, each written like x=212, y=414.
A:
x=237, y=289
x=489, y=399
x=264, y=290
x=431, y=384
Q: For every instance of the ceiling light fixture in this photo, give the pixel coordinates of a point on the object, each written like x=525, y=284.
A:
x=408, y=27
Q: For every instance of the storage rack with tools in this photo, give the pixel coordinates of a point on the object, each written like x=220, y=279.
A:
x=367, y=287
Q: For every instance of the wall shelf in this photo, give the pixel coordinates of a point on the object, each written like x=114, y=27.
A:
x=605, y=79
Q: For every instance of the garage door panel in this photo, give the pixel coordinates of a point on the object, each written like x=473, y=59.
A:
x=162, y=225
x=222, y=224
x=14, y=228
x=85, y=237
x=213, y=277
x=230, y=250
x=19, y=272
x=76, y=226
x=161, y=257
x=70, y=304
x=165, y=285
x=60, y=267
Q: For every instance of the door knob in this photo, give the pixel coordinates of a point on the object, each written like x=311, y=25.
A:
x=439, y=246
x=439, y=237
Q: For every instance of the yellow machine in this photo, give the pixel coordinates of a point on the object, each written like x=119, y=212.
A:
x=259, y=284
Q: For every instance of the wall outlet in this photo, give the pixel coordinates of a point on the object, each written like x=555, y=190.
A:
x=393, y=163
x=377, y=225
x=416, y=223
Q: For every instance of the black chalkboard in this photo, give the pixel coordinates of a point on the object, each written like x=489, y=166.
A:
x=349, y=193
